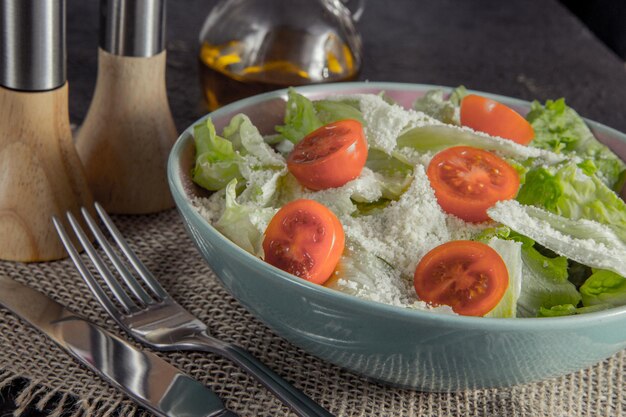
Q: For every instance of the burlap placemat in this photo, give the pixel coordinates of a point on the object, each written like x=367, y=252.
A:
x=58, y=384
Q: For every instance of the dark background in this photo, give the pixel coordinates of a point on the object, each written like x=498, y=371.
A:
x=606, y=18
x=530, y=49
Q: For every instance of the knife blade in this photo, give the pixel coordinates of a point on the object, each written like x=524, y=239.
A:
x=148, y=379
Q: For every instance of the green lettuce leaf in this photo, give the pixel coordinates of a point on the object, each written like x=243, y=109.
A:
x=361, y=273
x=546, y=282
x=329, y=111
x=544, y=279
x=560, y=129
x=247, y=140
x=244, y=224
x=435, y=104
x=570, y=310
x=577, y=273
x=567, y=190
x=458, y=94
x=240, y=154
x=604, y=287
x=510, y=253
x=584, y=241
x=217, y=163
x=434, y=138
x=300, y=117
x=393, y=172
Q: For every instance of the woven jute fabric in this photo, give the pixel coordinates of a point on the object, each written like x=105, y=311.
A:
x=58, y=384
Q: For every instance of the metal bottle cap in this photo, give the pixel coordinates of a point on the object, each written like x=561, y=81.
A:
x=132, y=27
x=32, y=44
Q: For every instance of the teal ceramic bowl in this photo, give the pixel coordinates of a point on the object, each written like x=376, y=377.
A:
x=406, y=348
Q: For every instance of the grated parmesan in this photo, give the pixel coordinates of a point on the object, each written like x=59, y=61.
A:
x=597, y=246
x=384, y=122
x=403, y=232
x=384, y=246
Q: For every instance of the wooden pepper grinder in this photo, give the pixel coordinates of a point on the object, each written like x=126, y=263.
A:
x=126, y=137
x=40, y=172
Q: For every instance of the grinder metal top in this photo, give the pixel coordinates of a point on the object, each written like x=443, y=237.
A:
x=132, y=27
x=32, y=44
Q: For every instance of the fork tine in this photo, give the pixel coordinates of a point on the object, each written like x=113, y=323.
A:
x=106, y=273
x=126, y=275
x=84, y=272
x=143, y=272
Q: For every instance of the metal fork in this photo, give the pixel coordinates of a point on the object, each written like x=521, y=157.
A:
x=154, y=318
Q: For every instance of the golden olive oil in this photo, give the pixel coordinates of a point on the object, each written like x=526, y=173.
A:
x=235, y=70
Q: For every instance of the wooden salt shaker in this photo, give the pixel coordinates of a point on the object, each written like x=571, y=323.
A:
x=126, y=137
x=40, y=172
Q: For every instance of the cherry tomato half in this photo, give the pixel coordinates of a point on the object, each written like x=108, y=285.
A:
x=467, y=181
x=496, y=119
x=329, y=156
x=305, y=239
x=470, y=277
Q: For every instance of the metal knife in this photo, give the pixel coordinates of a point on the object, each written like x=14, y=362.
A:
x=145, y=377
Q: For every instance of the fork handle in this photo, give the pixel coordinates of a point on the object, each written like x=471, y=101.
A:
x=301, y=404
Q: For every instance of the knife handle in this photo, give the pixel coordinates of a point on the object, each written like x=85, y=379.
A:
x=143, y=376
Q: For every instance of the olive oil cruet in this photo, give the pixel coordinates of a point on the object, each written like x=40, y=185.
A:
x=250, y=46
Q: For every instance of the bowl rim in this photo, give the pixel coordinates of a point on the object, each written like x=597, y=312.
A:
x=485, y=323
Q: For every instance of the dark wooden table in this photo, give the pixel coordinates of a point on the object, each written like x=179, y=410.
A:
x=522, y=48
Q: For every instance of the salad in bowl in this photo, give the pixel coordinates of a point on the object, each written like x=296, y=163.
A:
x=456, y=205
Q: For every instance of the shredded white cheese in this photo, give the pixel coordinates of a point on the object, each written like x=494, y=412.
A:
x=597, y=246
x=393, y=239
x=403, y=232
x=384, y=122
